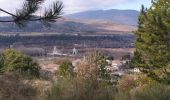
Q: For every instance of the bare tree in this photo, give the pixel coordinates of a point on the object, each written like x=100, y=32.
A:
x=28, y=10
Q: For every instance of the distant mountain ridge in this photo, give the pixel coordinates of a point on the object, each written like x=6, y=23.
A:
x=67, y=25
x=128, y=17
x=88, y=21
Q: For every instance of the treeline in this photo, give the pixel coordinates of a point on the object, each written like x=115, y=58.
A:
x=111, y=41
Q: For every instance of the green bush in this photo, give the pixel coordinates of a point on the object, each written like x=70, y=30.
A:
x=66, y=69
x=14, y=61
x=152, y=92
x=141, y=87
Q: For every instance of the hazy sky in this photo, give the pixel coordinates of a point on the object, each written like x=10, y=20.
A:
x=72, y=6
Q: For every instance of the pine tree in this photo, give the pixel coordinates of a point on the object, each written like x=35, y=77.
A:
x=13, y=61
x=152, y=53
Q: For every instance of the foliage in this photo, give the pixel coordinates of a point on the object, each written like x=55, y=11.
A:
x=99, y=60
x=86, y=86
x=126, y=57
x=92, y=69
x=87, y=71
x=127, y=83
x=30, y=7
x=66, y=69
x=147, y=92
x=13, y=61
x=142, y=80
x=152, y=92
x=129, y=88
x=76, y=89
x=152, y=54
x=12, y=88
x=140, y=87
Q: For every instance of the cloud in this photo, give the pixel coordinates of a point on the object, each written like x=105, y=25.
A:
x=71, y=6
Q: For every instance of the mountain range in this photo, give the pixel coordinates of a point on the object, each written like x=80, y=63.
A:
x=88, y=21
x=128, y=17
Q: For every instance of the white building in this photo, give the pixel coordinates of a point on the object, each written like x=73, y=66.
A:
x=136, y=70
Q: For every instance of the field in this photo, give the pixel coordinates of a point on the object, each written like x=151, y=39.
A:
x=39, y=44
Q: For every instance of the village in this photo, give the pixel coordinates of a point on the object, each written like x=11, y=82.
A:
x=117, y=67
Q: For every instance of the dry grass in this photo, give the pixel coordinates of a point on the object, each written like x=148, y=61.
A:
x=78, y=89
x=14, y=87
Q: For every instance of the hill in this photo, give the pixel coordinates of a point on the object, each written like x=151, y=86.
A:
x=68, y=25
x=128, y=17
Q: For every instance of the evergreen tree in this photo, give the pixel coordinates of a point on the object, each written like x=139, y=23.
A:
x=66, y=69
x=152, y=53
x=17, y=62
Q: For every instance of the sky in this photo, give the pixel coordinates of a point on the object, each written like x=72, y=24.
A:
x=73, y=6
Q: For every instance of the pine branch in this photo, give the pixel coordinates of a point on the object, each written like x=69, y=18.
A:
x=29, y=8
x=52, y=13
x=8, y=12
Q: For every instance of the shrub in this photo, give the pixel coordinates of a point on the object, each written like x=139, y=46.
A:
x=86, y=84
x=66, y=69
x=94, y=68
x=127, y=83
x=124, y=86
x=77, y=89
x=130, y=82
x=14, y=61
x=152, y=92
x=142, y=80
x=87, y=71
x=140, y=87
x=12, y=88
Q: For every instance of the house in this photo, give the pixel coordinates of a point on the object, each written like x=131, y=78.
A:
x=136, y=70
x=116, y=64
